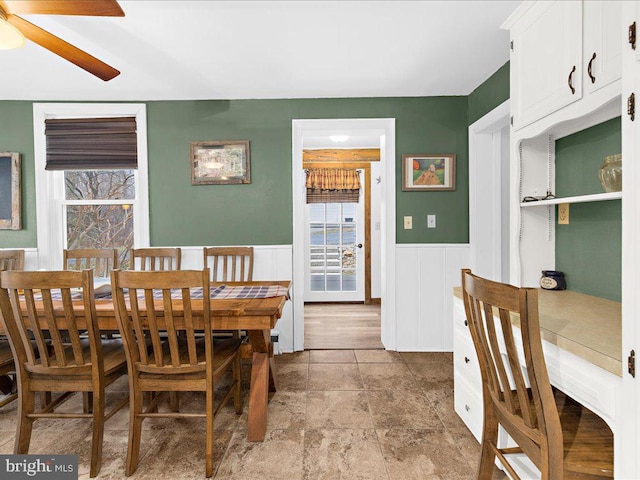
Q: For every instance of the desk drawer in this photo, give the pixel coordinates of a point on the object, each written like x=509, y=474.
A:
x=465, y=360
x=468, y=405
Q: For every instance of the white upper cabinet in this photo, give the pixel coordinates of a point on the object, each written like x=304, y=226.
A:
x=602, y=59
x=546, y=60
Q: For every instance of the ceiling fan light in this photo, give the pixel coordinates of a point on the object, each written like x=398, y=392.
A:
x=10, y=36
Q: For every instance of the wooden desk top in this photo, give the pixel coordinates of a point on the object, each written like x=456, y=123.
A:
x=589, y=327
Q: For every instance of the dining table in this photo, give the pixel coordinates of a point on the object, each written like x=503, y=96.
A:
x=254, y=307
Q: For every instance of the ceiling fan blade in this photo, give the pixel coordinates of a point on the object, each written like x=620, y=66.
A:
x=98, y=8
x=67, y=51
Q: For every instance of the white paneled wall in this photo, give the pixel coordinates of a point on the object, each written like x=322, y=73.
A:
x=271, y=262
x=425, y=277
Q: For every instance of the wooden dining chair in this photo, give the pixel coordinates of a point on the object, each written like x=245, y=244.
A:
x=560, y=436
x=156, y=258
x=7, y=373
x=229, y=264
x=100, y=260
x=164, y=352
x=39, y=306
x=11, y=260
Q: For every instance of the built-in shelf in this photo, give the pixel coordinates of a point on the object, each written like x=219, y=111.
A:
x=596, y=197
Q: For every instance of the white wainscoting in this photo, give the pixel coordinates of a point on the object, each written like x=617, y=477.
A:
x=270, y=262
x=425, y=277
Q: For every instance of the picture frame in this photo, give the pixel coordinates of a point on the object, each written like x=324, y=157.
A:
x=225, y=162
x=428, y=172
x=10, y=193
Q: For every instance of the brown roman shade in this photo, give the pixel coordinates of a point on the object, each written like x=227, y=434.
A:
x=333, y=185
x=91, y=143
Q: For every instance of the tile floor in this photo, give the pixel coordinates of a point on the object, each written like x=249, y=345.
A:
x=337, y=414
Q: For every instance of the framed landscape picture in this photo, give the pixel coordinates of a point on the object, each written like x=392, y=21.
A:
x=10, y=194
x=220, y=162
x=428, y=172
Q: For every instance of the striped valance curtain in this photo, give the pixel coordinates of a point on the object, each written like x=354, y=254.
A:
x=333, y=185
x=91, y=143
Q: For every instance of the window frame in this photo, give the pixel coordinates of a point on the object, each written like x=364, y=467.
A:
x=50, y=194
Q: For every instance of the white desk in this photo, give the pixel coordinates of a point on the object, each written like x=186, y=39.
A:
x=582, y=347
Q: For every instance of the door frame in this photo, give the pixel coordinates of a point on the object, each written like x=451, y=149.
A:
x=488, y=250
x=385, y=128
x=366, y=220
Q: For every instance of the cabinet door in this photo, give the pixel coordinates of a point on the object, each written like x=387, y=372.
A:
x=602, y=43
x=546, y=66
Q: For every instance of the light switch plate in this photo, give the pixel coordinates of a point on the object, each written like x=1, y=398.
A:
x=431, y=221
x=408, y=222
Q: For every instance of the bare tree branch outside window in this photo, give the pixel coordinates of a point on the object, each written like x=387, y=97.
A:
x=103, y=225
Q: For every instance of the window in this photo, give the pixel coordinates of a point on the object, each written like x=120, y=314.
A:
x=90, y=208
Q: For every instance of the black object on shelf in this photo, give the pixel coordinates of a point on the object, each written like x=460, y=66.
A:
x=553, y=280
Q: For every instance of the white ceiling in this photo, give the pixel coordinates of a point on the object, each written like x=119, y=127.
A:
x=171, y=50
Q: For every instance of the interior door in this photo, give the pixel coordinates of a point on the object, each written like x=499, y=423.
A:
x=334, y=266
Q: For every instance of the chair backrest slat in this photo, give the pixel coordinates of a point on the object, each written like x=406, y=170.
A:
x=100, y=260
x=500, y=368
x=522, y=398
x=11, y=260
x=156, y=258
x=39, y=306
x=171, y=289
x=229, y=264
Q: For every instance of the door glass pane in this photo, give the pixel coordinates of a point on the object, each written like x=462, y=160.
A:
x=333, y=234
x=333, y=282
x=333, y=212
x=349, y=212
x=99, y=185
x=333, y=259
x=317, y=235
x=349, y=281
x=316, y=212
x=101, y=226
x=349, y=234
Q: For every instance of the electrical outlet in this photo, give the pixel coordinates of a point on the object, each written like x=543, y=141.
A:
x=408, y=222
x=431, y=221
x=563, y=214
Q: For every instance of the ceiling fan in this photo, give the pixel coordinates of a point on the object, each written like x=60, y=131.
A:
x=21, y=28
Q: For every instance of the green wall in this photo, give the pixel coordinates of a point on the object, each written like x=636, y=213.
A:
x=261, y=212
x=491, y=93
x=589, y=248
x=16, y=135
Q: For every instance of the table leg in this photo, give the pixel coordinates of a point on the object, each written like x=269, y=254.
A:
x=272, y=379
x=258, y=397
x=261, y=382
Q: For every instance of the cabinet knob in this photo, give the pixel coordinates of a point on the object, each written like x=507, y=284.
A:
x=467, y=408
x=466, y=360
x=593, y=57
x=570, y=80
x=466, y=324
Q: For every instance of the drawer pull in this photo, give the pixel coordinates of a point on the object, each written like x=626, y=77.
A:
x=589, y=71
x=467, y=407
x=570, y=80
x=466, y=360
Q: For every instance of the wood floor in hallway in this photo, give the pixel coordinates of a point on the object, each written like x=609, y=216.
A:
x=341, y=326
